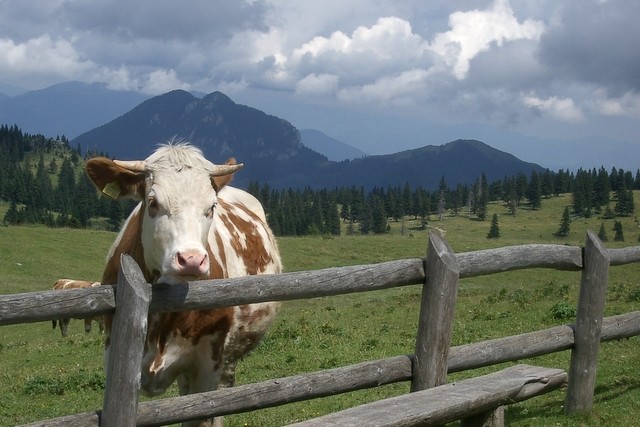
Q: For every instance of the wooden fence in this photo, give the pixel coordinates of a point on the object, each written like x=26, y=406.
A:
x=439, y=273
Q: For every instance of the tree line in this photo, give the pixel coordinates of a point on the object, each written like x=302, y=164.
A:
x=295, y=212
x=56, y=192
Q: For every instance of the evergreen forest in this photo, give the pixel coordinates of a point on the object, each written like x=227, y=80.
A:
x=43, y=182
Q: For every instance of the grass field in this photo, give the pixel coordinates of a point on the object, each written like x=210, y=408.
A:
x=43, y=375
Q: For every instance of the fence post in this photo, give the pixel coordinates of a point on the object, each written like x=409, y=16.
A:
x=435, y=324
x=128, y=332
x=588, y=326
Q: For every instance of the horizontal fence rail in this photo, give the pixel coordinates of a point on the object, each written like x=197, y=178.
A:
x=207, y=294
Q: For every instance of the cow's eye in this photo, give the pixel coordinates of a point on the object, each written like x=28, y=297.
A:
x=209, y=212
x=153, y=206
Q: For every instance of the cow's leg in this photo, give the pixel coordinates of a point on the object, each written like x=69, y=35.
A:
x=87, y=324
x=229, y=374
x=207, y=379
x=64, y=326
x=183, y=385
x=206, y=375
x=100, y=321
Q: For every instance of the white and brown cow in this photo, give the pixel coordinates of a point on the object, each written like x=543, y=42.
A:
x=190, y=225
x=76, y=284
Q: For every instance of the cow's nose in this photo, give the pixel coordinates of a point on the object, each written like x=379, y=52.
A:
x=192, y=263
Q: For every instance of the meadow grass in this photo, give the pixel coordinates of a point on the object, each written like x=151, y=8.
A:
x=43, y=375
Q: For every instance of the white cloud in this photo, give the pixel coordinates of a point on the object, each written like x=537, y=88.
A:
x=400, y=89
x=161, y=81
x=559, y=108
x=473, y=32
x=317, y=84
x=42, y=55
x=626, y=105
x=389, y=60
x=389, y=38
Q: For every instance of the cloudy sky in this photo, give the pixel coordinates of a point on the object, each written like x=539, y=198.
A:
x=524, y=76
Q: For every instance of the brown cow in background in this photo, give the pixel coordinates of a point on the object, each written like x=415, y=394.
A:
x=62, y=284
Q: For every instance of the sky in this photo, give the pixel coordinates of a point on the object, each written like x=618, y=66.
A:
x=555, y=82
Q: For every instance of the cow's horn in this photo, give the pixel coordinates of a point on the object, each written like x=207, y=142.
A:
x=132, y=165
x=220, y=170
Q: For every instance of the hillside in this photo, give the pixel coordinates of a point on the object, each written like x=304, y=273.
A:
x=274, y=153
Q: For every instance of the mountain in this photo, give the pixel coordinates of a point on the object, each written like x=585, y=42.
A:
x=67, y=108
x=7, y=91
x=272, y=150
x=334, y=150
x=459, y=162
x=269, y=146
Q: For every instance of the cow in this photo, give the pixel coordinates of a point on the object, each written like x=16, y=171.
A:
x=76, y=284
x=190, y=225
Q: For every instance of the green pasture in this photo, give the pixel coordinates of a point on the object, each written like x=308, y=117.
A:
x=43, y=375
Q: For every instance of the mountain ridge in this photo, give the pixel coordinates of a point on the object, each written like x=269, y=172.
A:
x=273, y=151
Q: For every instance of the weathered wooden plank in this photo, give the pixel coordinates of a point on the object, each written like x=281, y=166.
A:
x=588, y=328
x=128, y=332
x=621, y=326
x=48, y=305
x=437, y=309
x=490, y=261
x=508, y=349
x=289, y=286
x=621, y=256
x=536, y=343
x=449, y=402
x=32, y=307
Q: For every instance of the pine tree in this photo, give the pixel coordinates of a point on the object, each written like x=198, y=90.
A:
x=534, y=191
x=66, y=187
x=379, y=216
x=482, y=197
x=619, y=236
x=565, y=224
x=494, y=231
x=602, y=233
x=547, y=186
x=115, y=215
x=366, y=218
x=332, y=217
x=12, y=216
x=43, y=188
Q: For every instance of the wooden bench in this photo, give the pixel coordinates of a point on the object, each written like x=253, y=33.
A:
x=473, y=400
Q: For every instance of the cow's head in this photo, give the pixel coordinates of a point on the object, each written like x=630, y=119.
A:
x=178, y=188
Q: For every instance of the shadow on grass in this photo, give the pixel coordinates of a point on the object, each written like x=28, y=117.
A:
x=549, y=410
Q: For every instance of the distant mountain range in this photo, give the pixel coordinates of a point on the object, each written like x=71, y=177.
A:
x=273, y=150
x=66, y=109
x=335, y=150
x=74, y=108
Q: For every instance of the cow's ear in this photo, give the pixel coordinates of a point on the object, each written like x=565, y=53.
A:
x=220, y=181
x=114, y=180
